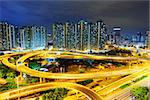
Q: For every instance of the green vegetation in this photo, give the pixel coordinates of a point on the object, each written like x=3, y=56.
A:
x=88, y=63
x=125, y=85
x=23, y=84
x=138, y=79
x=55, y=94
x=81, y=71
x=85, y=82
x=16, y=57
x=140, y=93
x=9, y=75
x=10, y=85
x=34, y=65
x=118, y=52
x=118, y=64
x=1, y=64
x=11, y=59
x=37, y=98
x=30, y=79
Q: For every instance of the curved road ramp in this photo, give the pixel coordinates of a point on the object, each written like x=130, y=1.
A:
x=27, y=90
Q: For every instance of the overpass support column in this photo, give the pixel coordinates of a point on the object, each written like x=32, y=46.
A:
x=21, y=75
x=44, y=80
x=40, y=80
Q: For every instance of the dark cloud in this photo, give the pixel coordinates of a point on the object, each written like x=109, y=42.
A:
x=132, y=16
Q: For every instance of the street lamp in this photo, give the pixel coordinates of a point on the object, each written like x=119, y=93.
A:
x=17, y=82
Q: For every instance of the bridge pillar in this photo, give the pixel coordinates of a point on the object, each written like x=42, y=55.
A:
x=40, y=98
x=40, y=80
x=44, y=80
x=18, y=98
x=21, y=73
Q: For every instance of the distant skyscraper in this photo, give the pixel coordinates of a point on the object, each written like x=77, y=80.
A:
x=69, y=36
x=26, y=37
x=97, y=35
x=79, y=36
x=148, y=39
x=49, y=39
x=139, y=39
x=33, y=37
x=7, y=36
x=111, y=38
x=17, y=37
x=82, y=35
x=117, y=33
x=58, y=36
x=22, y=38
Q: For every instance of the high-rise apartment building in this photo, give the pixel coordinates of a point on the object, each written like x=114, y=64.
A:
x=117, y=33
x=33, y=37
x=17, y=37
x=139, y=39
x=97, y=35
x=148, y=39
x=7, y=36
x=111, y=38
x=69, y=34
x=22, y=38
x=58, y=36
x=29, y=37
x=82, y=35
x=79, y=36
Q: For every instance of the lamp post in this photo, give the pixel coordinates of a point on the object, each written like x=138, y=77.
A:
x=17, y=82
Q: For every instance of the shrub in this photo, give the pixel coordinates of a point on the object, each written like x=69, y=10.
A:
x=81, y=70
x=124, y=86
x=140, y=93
x=85, y=82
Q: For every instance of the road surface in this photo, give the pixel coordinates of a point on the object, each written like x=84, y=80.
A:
x=24, y=91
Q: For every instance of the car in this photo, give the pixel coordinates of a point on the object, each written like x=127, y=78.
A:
x=43, y=69
x=20, y=63
x=36, y=68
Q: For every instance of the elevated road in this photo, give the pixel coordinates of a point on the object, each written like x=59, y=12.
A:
x=72, y=55
x=115, y=85
x=111, y=91
x=29, y=71
x=22, y=68
x=24, y=91
x=125, y=93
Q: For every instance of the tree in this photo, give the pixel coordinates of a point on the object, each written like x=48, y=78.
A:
x=33, y=80
x=55, y=94
x=11, y=75
x=10, y=84
x=85, y=82
x=81, y=71
x=141, y=93
x=44, y=97
x=88, y=63
x=1, y=74
x=37, y=98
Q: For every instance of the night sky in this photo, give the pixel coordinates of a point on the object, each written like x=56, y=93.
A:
x=132, y=16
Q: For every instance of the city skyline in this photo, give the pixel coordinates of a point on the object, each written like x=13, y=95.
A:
x=131, y=16
x=74, y=50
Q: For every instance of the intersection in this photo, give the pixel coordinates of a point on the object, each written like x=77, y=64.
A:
x=135, y=72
